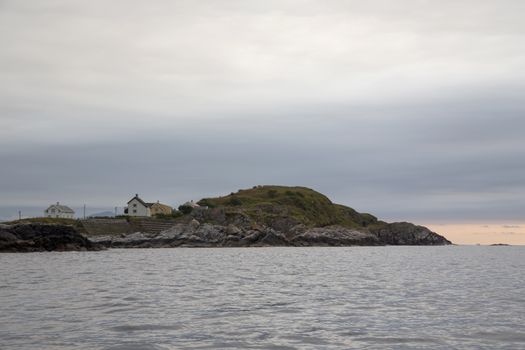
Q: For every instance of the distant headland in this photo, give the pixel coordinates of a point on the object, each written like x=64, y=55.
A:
x=260, y=216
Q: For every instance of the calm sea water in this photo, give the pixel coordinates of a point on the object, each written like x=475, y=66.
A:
x=265, y=298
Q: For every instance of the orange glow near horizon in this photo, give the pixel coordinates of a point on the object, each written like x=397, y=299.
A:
x=481, y=233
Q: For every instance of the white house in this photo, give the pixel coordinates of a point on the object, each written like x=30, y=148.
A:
x=59, y=211
x=137, y=207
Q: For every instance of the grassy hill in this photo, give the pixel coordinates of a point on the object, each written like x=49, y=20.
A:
x=303, y=205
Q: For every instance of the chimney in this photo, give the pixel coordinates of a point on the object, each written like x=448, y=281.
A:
x=136, y=194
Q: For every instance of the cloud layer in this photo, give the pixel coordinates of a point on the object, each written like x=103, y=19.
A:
x=411, y=110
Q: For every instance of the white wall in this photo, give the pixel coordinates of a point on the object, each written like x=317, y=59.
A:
x=135, y=208
x=56, y=214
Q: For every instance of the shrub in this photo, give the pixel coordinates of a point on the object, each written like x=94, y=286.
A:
x=299, y=203
x=272, y=193
x=185, y=209
x=235, y=201
x=206, y=203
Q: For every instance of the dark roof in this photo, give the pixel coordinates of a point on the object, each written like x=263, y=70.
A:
x=61, y=208
x=140, y=200
x=144, y=203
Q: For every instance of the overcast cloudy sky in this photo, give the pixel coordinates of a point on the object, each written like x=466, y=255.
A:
x=410, y=109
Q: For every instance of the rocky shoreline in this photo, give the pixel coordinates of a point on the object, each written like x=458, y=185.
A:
x=49, y=237
x=195, y=234
x=43, y=237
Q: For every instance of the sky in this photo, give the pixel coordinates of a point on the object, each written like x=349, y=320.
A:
x=411, y=110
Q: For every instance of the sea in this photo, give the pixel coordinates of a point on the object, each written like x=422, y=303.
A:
x=446, y=297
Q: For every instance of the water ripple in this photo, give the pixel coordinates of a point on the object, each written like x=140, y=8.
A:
x=265, y=298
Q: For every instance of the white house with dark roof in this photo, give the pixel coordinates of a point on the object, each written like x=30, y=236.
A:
x=137, y=207
x=59, y=211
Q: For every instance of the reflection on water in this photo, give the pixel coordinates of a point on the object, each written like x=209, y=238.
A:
x=265, y=298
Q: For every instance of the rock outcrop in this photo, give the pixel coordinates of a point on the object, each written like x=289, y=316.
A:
x=210, y=235
x=405, y=233
x=43, y=237
x=47, y=237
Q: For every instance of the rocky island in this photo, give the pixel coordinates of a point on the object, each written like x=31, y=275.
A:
x=260, y=216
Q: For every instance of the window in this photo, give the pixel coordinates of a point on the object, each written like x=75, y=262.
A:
x=134, y=211
x=134, y=205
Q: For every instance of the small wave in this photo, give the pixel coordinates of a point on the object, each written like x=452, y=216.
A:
x=397, y=340
x=135, y=346
x=500, y=336
x=144, y=327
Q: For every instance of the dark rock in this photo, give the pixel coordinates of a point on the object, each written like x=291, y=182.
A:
x=283, y=224
x=210, y=215
x=334, y=236
x=273, y=238
x=404, y=233
x=43, y=237
x=256, y=235
x=233, y=230
x=194, y=224
x=7, y=237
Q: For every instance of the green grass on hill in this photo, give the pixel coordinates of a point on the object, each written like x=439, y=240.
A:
x=300, y=203
x=44, y=220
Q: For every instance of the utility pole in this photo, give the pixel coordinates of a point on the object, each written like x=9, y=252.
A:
x=84, y=212
x=115, y=211
x=20, y=215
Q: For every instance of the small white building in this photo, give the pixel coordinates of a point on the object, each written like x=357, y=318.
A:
x=137, y=207
x=59, y=211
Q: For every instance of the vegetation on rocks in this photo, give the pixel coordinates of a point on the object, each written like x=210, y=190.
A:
x=185, y=209
x=44, y=220
x=76, y=223
x=265, y=204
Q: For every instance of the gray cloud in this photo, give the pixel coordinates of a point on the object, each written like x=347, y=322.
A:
x=404, y=110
